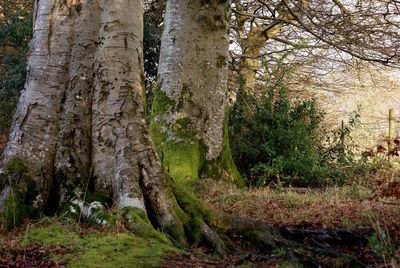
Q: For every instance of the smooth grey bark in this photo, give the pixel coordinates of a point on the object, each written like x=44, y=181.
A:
x=81, y=115
x=73, y=153
x=118, y=116
x=193, y=69
x=188, y=123
x=34, y=132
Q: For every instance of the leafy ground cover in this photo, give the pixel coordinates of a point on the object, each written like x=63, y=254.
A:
x=348, y=207
x=371, y=210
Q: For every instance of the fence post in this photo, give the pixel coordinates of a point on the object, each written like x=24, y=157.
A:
x=342, y=142
x=391, y=131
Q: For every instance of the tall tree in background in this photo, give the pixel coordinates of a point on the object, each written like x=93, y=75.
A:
x=273, y=38
x=252, y=35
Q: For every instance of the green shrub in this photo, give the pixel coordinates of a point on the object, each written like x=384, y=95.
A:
x=15, y=33
x=11, y=84
x=274, y=139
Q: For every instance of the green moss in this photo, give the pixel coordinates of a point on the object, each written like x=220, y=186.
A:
x=121, y=250
x=190, y=209
x=182, y=159
x=188, y=201
x=226, y=157
x=224, y=166
x=102, y=249
x=182, y=153
x=139, y=223
x=193, y=228
x=14, y=211
x=54, y=234
x=161, y=102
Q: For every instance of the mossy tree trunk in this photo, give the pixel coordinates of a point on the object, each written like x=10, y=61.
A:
x=189, y=108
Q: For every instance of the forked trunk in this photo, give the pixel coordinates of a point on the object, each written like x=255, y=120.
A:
x=80, y=118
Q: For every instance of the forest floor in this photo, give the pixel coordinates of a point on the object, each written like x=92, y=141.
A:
x=368, y=209
x=371, y=211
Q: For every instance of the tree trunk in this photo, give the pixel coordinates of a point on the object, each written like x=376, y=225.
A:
x=189, y=112
x=259, y=32
x=250, y=62
x=80, y=118
x=34, y=133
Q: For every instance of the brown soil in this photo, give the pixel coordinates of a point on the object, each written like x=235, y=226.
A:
x=33, y=255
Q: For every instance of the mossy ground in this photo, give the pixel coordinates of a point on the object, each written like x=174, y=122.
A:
x=93, y=247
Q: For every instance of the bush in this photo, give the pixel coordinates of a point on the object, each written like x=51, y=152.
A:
x=276, y=140
x=16, y=26
x=15, y=33
x=11, y=84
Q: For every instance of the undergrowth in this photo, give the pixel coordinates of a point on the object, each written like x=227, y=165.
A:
x=15, y=33
x=349, y=206
x=282, y=141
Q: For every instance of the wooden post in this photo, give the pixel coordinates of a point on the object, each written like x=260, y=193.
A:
x=391, y=131
x=342, y=150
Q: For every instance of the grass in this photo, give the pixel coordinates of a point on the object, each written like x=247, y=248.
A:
x=350, y=206
x=93, y=247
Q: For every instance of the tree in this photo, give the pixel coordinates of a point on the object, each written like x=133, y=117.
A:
x=189, y=106
x=80, y=122
x=321, y=33
x=81, y=114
